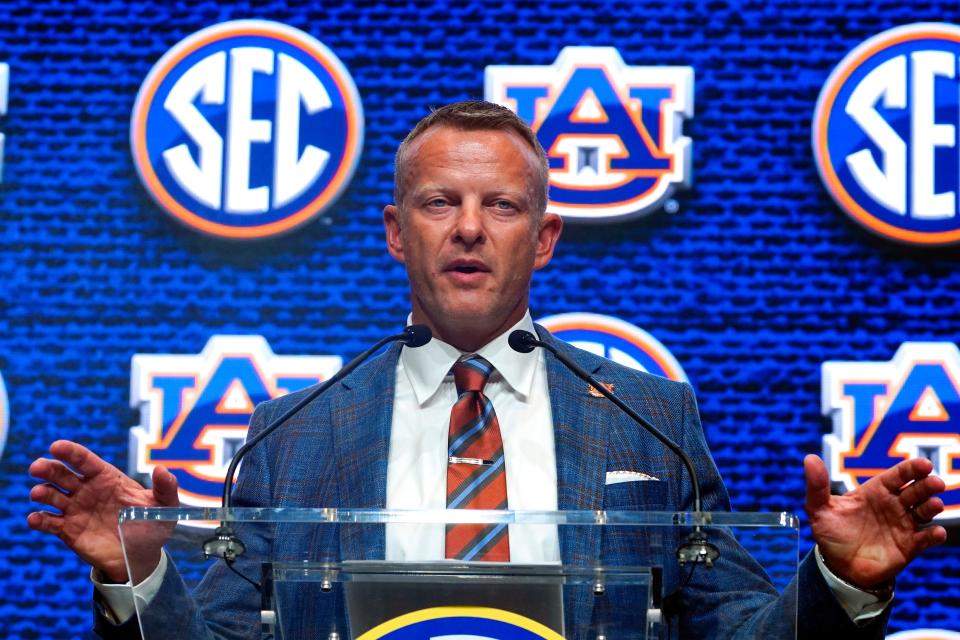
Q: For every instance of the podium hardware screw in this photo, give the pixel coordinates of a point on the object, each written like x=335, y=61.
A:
x=599, y=588
x=326, y=586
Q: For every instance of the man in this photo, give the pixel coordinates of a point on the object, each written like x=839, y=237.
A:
x=469, y=223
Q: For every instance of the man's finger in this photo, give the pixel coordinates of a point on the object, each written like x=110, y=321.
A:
x=818, y=483
x=49, y=495
x=927, y=510
x=86, y=462
x=47, y=522
x=921, y=490
x=894, y=478
x=926, y=538
x=55, y=472
x=165, y=487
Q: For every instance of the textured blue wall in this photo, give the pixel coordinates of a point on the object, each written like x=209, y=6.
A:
x=752, y=284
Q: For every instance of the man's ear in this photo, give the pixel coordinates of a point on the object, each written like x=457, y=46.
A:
x=550, y=227
x=391, y=224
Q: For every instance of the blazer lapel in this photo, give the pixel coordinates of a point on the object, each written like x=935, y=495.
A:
x=361, y=413
x=579, y=425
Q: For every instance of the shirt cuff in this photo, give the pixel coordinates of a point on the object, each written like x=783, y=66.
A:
x=118, y=599
x=860, y=605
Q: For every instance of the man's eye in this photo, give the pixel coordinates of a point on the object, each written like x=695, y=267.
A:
x=437, y=202
x=504, y=205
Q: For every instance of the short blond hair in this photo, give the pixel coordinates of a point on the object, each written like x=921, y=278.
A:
x=474, y=115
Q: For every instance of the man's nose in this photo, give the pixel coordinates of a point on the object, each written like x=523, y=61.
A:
x=470, y=223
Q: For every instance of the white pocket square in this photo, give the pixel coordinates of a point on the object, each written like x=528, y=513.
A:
x=616, y=477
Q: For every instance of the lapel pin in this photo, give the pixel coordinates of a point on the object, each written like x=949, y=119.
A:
x=596, y=394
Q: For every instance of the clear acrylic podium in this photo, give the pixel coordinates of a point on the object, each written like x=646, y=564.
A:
x=324, y=574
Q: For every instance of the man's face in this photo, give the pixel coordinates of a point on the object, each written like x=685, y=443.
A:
x=469, y=233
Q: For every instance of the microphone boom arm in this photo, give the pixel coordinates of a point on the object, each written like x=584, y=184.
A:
x=696, y=550
x=225, y=544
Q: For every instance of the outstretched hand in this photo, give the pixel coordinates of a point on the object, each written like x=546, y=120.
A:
x=89, y=494
x=868, y=535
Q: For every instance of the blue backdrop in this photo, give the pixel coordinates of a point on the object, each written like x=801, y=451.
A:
x=753, y=283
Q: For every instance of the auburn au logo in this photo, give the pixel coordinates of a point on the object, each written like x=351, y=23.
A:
x=247, y=129
x=885, y=134
x=612, y=132
x=194, y=409
x=461, y=623
x=886, y=412
x=615, y=340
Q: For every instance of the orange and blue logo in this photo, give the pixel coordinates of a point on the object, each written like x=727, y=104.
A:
x=612, y=132
x=247, y=129
x=194, y=409
x=461, y=623
x=885, y=134
x=886, y=412
x=616, y=340
x=925, y=634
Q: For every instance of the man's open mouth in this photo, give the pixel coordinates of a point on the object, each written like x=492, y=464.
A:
x=467, y=266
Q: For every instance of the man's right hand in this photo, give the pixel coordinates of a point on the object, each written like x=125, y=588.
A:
x=89, y=493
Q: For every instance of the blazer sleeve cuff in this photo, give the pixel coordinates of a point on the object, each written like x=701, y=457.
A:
x=821, y=615
x=860, y=605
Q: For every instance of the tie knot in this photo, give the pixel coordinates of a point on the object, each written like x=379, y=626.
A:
x=471, y=374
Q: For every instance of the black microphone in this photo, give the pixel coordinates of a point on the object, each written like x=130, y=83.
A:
x=696, y=549
x=224, y=544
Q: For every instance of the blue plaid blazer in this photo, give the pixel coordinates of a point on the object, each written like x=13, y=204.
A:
x=334, y=454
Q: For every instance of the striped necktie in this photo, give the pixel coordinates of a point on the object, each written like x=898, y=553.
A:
x=476, y=478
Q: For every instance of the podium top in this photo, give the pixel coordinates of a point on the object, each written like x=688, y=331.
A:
x=342, y=515
x=325, y=569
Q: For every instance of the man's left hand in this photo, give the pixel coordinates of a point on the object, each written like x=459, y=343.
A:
x=868, y=535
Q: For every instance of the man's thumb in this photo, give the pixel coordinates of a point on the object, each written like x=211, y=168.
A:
x=165, y=487
x=818, y=483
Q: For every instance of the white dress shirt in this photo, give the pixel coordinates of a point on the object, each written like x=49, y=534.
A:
x=417, y=463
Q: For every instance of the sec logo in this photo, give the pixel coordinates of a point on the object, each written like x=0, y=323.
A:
x=246, y=129
x=194, y=409
x=886, y=412
x=615, y=340
x=885, y=134
x=612, y=132
x=461, y=623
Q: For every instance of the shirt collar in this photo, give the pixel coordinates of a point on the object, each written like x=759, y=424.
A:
x=427, y=366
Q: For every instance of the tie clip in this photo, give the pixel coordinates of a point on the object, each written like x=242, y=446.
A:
x=476, y=461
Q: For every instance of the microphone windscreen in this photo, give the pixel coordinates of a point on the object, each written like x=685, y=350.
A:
x=417, y=335
x=522, y=341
